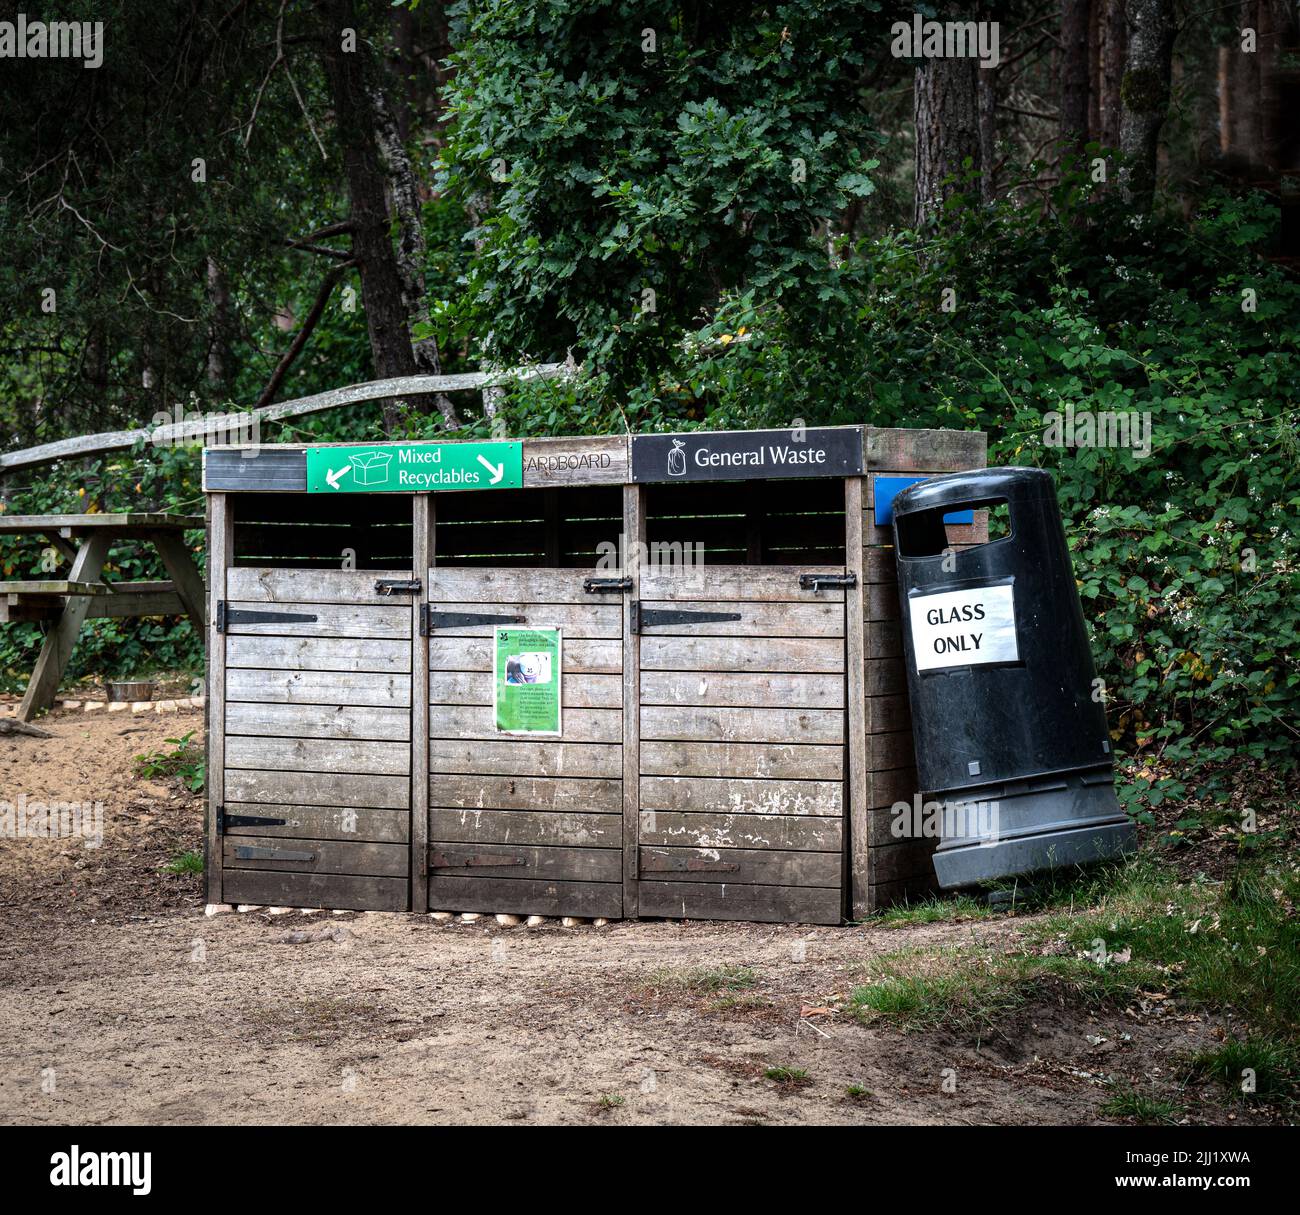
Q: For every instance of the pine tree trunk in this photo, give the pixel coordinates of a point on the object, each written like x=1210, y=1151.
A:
x=381, y=281
x=1145, y=97
x=947, y=132
x=1076, y=20
x=1114, y=48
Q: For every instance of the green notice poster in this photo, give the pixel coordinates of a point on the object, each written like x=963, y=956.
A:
x=526, y=681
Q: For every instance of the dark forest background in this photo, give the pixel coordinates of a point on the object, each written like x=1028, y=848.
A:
x=724, y=215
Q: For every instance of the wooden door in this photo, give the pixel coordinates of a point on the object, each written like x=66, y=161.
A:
x=317, y=717
x=520, y=824
x=742, y=744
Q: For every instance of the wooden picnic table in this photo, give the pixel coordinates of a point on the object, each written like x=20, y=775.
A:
x=67, y=603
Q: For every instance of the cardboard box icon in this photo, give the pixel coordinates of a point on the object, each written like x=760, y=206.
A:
x=370, y=468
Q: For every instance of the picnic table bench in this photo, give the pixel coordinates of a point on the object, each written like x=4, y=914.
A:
x=67, y=603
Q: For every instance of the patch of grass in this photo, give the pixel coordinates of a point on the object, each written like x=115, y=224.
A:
x=1231, y=944
x=1142, y=1107
x=938, y=910
x=788, y=1078
x=184, y=762
x=1214, y=945
x=1273, y=1064
x=609, y=1101
x=185, y=862
x=705, y=980
x=856, y=1092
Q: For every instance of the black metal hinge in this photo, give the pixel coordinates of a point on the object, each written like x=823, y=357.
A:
x=603, y=586
x=644, y=617
x=431, y=619
x=226, y=616
x=815, y=582
x=225, y=820
x=397, y=586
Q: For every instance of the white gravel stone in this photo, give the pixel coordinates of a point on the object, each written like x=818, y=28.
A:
x=140, y=706
x=508, y=921
x=535, y=920
x=218, y=909
x=244, y=908
x=118, y=706
x=442, y=916
x=572, y=921
x=469, y=917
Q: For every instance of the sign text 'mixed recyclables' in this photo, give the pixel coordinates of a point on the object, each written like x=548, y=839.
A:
x=736, y=455
x=407, y=468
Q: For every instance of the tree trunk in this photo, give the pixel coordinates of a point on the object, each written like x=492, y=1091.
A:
x=1094, y=68
x=1114, y=48
x=986, y=98
x=381, y=282
x=1076, y=19
x=947, y=132
x=1145, y=97
x=411, y=247
x=219, y=329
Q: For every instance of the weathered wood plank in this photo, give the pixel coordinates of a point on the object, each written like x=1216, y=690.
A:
x=318, y=654
x=478, y=721
x=297, y=687
x=762, y=583
x=595, y=621
x=324, y=823
x=740, y=689
x=746, y=866
x=326, y=789
x=755, y=619
x=580, y=657
x=716, y=795
x=783, y=832
x=723, y=901
x=525, y=862
x=581, y=461
x=884, y=639
x=886, y=677
x=635, y=528
x=331, y=620
x=520, y=757
x=763, y=760
x=790, y=655
x=309, y=756
x=586, y=899
x=540, y=793
x=451, y=584
x=857, y=846
x=219, y=557
x=898, y=449
x=334, y=891
x=888, y=713
x=475, y=688
x=424, y=513
x=318, y=721
x=669, y=722
x=557, y=828
x=326, y=856
x=269, y=585
x=888, y=787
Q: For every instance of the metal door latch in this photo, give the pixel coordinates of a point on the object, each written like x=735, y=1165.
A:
x=815, y=582
x=397, y=586
x=601, y=586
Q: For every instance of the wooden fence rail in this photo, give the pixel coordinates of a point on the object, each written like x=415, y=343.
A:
x=353, y=394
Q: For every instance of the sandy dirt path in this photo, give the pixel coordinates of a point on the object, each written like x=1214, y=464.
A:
x=121, y=1002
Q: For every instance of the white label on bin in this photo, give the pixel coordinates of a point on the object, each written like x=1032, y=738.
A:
x=967, y=628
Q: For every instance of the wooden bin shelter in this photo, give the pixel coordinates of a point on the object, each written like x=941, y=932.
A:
x=730, y=727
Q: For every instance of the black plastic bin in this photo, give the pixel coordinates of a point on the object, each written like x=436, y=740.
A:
x=1010, y=734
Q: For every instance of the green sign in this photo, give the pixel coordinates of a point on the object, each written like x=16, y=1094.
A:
x=414, y=468
x=526, y=681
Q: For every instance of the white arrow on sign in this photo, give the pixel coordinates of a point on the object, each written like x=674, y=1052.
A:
x=333, y=475
x=495, y=471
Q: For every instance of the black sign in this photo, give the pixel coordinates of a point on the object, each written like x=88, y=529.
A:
x=743, y=455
